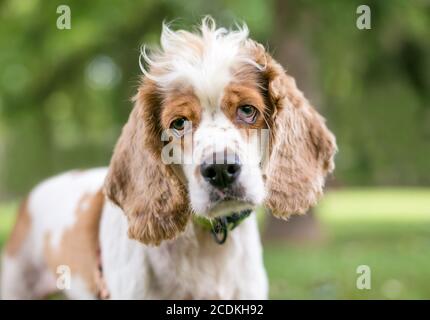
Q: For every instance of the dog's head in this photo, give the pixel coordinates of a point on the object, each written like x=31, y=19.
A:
x=218, y=126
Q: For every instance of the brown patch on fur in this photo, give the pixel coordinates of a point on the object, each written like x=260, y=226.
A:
x=180, y=104
x=150, y=194
x=177, y=104
x=20, y=230
x=240, y=94
x=302, y=148
x=79, y=244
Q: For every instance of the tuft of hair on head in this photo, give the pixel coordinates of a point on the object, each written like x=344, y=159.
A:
x=196, y=55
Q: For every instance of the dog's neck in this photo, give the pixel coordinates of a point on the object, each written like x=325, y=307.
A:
x=196, y=249
x=169, y=264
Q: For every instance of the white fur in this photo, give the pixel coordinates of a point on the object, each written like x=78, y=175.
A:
x=209, y=71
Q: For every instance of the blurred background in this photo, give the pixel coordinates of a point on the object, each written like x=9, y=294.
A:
x=64, y=96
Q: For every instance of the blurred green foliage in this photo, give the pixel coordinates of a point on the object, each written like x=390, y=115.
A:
x=64, y=94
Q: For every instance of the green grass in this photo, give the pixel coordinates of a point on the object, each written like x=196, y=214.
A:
x=386, y=229
x=384, y=205
x=7, y=218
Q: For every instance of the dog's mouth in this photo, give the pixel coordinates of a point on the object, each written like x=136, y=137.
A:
x=223, y=208
x=236, y=193
x=226, y=202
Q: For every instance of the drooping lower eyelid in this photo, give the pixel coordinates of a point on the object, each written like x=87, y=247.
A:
x=247, y=120
x=254, y=117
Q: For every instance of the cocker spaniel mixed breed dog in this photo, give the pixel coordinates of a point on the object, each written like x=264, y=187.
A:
x=217, y=129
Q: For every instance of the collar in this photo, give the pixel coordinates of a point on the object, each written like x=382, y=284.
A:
x=220, y=226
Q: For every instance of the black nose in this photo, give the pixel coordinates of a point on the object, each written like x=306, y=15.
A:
x=221, y=175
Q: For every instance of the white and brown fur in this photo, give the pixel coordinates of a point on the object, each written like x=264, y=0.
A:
x=138, y=212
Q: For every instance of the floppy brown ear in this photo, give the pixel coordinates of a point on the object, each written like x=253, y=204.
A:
x=302, y=148
x=147, y=190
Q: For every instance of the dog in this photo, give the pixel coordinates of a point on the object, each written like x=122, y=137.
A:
x=218, y=128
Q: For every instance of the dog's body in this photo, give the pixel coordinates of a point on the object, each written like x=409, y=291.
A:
x=63, y=215
x=192, y=150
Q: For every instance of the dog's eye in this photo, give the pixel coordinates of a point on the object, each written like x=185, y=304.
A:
x=178, y=124
x=247, y=113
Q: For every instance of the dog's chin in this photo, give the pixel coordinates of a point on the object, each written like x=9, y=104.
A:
x=229, y=206
x=213, y=203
